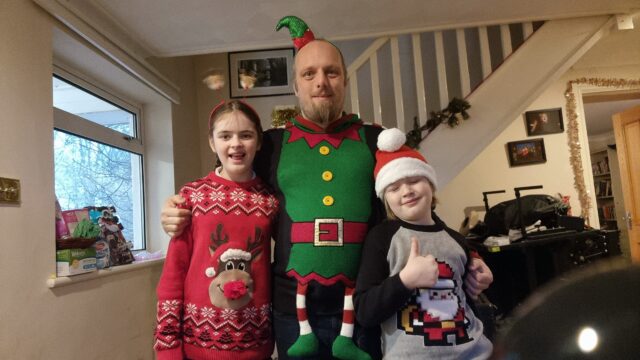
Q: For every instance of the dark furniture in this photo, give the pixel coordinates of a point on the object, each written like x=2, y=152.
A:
x=521, y=267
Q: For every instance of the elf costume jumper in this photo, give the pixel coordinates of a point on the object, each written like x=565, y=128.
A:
x=322, y=177
x=214, y=292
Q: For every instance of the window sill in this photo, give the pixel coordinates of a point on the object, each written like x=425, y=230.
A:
x=56, y=282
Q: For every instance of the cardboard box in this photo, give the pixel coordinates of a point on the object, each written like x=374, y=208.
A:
x=75, y=261
x=73, y=217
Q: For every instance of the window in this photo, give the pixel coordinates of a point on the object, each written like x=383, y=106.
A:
x=98, y=152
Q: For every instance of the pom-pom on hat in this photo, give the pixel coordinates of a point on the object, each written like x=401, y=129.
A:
x=395, y=161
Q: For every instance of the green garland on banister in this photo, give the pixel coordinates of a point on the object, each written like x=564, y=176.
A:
x=451, y=115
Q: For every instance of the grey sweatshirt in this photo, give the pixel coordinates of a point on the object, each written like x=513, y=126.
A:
x=433, y=323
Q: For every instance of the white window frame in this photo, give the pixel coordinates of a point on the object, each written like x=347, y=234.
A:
x=79, y=126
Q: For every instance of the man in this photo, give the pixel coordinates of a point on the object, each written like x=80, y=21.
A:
x=321, y=168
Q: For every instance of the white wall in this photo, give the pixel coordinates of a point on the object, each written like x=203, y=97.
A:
x=184, y=116
x=490, y=170
x=107, y=318
x=207, y=99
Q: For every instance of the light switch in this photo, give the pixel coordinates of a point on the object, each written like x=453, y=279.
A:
x=9, y=191
x=624, y=21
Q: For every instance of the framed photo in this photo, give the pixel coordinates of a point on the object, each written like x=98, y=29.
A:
x=526, y=152
x=541, y=122
x=261, y=73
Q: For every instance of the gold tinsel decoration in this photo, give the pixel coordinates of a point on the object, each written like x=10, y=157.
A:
x=279, y=116
x=572, y=133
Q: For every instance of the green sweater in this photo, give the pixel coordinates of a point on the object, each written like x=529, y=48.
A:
x=324, y=181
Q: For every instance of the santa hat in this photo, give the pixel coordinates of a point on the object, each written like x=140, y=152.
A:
x=225, y=253
x=396, y=161
x=445, y=277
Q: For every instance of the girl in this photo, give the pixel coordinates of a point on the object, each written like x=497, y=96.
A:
x=214, y=292
x=413, y=266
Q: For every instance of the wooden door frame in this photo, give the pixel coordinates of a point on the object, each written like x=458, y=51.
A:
x=584, y=183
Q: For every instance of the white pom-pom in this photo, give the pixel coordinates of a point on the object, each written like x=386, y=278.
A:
x=391, y=140
x=210, y=272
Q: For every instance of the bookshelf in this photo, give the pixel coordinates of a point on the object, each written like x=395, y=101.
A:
x=608, y=191
x=603, y=184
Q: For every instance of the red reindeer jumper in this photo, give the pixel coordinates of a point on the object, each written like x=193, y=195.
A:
x=214, y=292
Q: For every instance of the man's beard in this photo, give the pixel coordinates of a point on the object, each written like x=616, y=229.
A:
x=321, y=114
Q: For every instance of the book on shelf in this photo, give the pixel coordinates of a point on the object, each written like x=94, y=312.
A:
x=603, y=188
x=600, y=167
x=607, y=212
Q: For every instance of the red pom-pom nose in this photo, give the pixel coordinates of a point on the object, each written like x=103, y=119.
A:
x=234, y=289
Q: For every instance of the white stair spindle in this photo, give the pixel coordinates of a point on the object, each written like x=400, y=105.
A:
x=465, y=82
x=485, y=54
x=353, y=87
x=505, y=35
x=375, y=89
x=419, y=75
x=527, y=30
x=397, y=83
x=443, y=89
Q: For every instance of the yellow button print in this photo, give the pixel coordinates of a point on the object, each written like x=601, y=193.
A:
x=327, y=200
x=327, y=176
x=324, y=150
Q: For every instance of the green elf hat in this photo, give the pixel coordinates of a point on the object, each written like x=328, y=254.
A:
x=300, y=32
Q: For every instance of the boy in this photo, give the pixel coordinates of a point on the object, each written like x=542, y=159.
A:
x=413, y=266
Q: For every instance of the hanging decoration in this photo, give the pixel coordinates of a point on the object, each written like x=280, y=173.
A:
x=248, y=79
x=451, y=115
x=214, y=79
x=573, y=133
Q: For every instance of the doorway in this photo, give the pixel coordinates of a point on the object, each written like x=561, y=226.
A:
x=608, y=193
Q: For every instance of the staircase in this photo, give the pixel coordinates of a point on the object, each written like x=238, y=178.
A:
x=499, y=69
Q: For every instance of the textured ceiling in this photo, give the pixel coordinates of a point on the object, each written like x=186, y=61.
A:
x=188, y=27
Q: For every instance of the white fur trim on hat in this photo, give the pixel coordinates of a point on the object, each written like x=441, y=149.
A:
x=401, y=168
x=391, y=139
x=235, y=254
x=443, y=284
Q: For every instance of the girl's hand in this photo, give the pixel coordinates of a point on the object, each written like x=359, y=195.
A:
x=174, y=219
x=420, y=271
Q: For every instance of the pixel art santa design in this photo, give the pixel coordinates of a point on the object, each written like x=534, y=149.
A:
x=436, y=313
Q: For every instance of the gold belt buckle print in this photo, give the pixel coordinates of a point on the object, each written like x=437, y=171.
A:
x=328, y=232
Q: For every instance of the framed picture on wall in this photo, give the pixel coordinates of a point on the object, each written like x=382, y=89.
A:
x=526, y=152
x=541, y=122
x=261, y=73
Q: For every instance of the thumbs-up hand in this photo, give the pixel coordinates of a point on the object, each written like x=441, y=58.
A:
x=420, y=271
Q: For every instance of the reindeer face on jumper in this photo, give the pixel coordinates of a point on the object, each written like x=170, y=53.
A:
x=232, y=284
